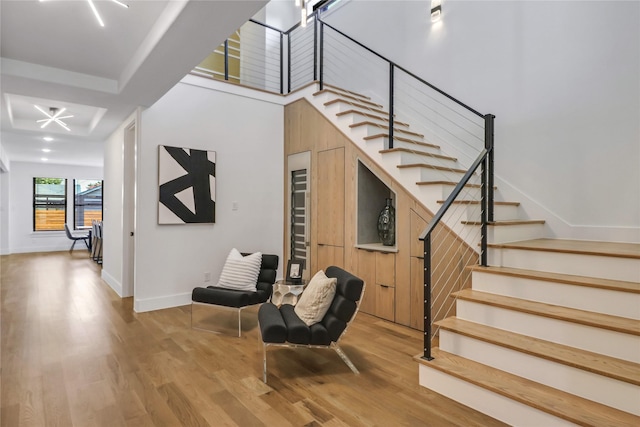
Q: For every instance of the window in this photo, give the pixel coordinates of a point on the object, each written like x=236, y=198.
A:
x=87, y=202
x=49, y=203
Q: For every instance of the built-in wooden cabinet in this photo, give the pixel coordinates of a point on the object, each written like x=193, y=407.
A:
x=330, y=206
x=330, y=197
x=378, y=270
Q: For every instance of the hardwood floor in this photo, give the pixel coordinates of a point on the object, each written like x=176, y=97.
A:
x=75, y=354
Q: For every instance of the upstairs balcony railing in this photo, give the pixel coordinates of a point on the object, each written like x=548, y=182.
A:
x=266, y=58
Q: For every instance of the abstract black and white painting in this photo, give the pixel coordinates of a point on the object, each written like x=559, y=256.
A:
x=187, y=180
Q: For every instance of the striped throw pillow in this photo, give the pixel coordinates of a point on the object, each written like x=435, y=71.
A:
x=240, y=273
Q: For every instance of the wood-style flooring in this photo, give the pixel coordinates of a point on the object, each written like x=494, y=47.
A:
x=75, y=354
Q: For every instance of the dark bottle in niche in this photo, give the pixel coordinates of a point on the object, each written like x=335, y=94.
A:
x=387, y=224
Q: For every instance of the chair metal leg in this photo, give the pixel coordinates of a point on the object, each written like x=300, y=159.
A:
x=344, y=358
x=239, y=323
x=264, y=363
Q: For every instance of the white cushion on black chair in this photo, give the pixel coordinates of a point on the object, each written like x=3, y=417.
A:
x=316, y=298
x=240, y=272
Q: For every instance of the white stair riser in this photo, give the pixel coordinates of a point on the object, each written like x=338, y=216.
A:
x=383, y=142
x=418, y=174
x=357, y=117
x=514, y=233
x=606, y=301
x=598, y=340
x=485, y=401
x=330, y=96
x=375, y=130
x=608, y=391
x=342, y=106
x=442, y=191
x=404, y=158
x=605, y=267
x=472, y=212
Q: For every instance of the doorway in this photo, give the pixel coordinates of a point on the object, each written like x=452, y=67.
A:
x=129, y=210
x=299, y=209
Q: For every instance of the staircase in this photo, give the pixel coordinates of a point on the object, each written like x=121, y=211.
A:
x=549, y=334
x=421, y=167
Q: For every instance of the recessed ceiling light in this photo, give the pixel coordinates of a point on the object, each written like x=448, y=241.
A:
x=46, y=150
x=48, y=138
x=44, y=159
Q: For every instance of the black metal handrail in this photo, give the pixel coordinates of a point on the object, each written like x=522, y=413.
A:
x=485, y=159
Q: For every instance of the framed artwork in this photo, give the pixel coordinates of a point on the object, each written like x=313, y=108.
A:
x=187, y=185
x=295, y=267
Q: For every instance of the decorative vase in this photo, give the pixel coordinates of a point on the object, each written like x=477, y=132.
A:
x=387, y=224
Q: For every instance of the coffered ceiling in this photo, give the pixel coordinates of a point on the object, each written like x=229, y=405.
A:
x=56, y=55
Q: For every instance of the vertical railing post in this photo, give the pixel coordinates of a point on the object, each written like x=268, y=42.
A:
x=391, y=80
x=281, y=63
x=226, y=59
x=315, y=48
x=321, y=55
x=488, y=144
x=486, y=200
x=427, y=297
x=483, y=211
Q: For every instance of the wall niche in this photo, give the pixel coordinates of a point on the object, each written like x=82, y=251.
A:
x=372, y=193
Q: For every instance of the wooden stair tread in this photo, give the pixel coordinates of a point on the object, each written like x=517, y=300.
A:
x=347, y=91
x=371, y=115
x=348, y=96
x=425, y=165
x=507, y=223
x=622, y=370
x=356, y=104
x=451, y=183
x=378, y=125
x=400, y=138
x=587, y=318
x=593, y=282
x=422, y=153
x=584, y=247
x=544, y=398
x=477, y=202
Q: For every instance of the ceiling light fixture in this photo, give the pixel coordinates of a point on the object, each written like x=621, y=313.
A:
x=48, y=138
x=95, y=11
x=436, y=10
x=53, y=116
x=46, y=150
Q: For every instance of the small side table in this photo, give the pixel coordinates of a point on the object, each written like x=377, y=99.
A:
x=286, y=292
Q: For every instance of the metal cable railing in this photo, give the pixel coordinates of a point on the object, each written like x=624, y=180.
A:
x=450, y=143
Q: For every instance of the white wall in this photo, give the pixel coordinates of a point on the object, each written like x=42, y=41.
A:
x=22, y=238
x=562, y=78
x=247, y=136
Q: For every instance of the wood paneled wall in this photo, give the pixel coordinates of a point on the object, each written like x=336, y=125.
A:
x=334, y=160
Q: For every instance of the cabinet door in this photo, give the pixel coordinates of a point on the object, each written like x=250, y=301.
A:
x=330, y=255
x=330, y=206
x=367, y=272
x=385, y=302
x=386, y=268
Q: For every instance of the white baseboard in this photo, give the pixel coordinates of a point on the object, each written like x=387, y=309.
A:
x=113, y=283
x=159, y=303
